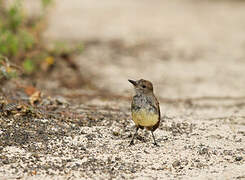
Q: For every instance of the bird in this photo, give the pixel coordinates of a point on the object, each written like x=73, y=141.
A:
x=145, y=108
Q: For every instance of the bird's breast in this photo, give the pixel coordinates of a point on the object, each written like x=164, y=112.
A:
x=145, y=118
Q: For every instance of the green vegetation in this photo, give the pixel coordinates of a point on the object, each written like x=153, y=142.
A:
x=18, y=37
x=21, y=46
x=14, y=38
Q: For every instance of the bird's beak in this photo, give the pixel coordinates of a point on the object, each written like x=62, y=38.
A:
x=133, y=82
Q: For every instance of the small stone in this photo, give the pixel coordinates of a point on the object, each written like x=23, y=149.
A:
x=203, y=151
x=5, y=161
x=133, y=170
x=115, y=133
x=61, y=100
x=200, y=165
x=176, y=163
x=238, y=158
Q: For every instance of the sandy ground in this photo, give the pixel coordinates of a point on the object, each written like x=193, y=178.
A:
x=193, y=52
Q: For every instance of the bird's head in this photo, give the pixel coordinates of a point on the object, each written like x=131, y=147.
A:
x=142, y=86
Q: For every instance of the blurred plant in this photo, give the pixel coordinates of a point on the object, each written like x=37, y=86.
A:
x=46, y=3
x=28, y=66
x=21, y=41
x=16, y=37
x=62, y=48
x=7, y=71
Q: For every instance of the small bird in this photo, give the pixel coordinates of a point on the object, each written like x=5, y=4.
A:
x=145, y=108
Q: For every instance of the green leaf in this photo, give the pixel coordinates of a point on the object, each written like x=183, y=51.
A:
x=28, y=66
x=46, y=2
x=26, y=39
x=9, y=43
x=15, y=16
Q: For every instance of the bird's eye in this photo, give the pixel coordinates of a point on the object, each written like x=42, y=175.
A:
x=143, y=86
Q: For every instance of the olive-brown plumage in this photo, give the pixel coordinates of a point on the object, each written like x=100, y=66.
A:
x=145, y=108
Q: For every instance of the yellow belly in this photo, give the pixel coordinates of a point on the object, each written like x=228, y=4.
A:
x=144, y=118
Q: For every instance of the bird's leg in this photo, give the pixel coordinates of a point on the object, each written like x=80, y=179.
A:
x=154, y=139
x=132, y=141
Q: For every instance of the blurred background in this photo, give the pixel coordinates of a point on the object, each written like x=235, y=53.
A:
x=187, y=48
